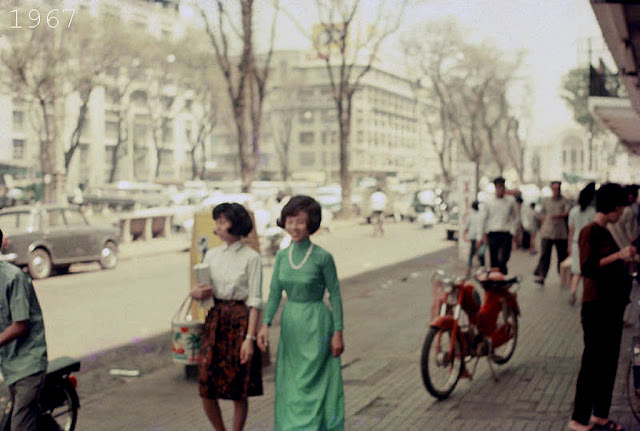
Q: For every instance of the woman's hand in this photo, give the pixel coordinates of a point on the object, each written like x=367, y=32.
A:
x=627, y=253
x=201, y=291
x=263, y=337
x=246, y=351
x=337, y=344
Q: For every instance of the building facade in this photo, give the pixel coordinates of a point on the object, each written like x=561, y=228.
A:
x=300, y=135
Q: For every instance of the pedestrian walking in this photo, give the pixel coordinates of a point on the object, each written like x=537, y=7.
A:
x=23, y=347
x=554, y=231
x=606, y=288
x=579, y=216
x=378, y=202
x=229, y=367
x=472, y=233
x=498, y=226
x=309, y=388
x=528, y=219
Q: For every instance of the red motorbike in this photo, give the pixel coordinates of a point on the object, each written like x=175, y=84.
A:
x=468, y=329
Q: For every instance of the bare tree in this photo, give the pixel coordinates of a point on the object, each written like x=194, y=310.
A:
x=246, y=82
x=348, y=58
x=202, y=79
x=430, y=52
x=34, y=63
x=515, y=146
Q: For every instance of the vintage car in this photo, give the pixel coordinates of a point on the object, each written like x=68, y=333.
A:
x=44, y=238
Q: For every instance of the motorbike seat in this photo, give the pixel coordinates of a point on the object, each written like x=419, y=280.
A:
x=488, y=283
x=62, y=366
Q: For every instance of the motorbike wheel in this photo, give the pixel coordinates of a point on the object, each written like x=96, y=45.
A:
x=440, y=372
x=59, y=406
x=507, y=319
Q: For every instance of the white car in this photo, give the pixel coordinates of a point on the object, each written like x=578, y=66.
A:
x=426, y=218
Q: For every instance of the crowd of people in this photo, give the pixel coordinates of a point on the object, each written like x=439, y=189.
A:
x=599, y=236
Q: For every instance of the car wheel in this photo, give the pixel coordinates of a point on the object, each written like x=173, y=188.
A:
x=109, y=256
x=39, y=264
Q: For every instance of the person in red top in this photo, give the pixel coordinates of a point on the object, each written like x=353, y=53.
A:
x=606, y=289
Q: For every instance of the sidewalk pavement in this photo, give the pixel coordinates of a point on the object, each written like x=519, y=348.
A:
x=386, y=319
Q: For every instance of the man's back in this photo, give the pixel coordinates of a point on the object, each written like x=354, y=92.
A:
x=26, y=355
x=378, y=201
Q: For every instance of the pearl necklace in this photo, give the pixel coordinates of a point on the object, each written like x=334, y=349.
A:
x=301, y=264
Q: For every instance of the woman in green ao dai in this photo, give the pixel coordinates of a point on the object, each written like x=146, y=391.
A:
x=309, y=390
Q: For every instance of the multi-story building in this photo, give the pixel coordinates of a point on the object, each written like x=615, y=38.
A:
x=91, y=165
x=386, y=138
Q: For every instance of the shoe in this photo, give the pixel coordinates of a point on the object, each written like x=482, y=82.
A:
x=539, y=280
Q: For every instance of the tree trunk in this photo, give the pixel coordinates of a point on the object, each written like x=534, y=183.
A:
x=344, y=115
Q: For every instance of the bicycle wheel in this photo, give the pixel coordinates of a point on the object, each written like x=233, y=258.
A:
x=440, y=369
x=507, y=328
x=59, y=406
x=632, y=396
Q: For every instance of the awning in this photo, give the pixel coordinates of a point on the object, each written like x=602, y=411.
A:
x=620, y=24
x=617, y=115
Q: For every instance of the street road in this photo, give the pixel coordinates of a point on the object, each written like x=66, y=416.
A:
x=93, y=310
x=90, y=310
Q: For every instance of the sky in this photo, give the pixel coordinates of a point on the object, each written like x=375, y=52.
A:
x=553, y=32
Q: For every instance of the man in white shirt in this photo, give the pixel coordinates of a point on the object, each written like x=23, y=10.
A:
x=498, y=226
x=378, y=202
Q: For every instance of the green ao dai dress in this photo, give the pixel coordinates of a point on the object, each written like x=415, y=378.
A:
x=309, y=390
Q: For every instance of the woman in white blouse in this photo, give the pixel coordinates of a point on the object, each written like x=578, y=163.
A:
x=229, y=369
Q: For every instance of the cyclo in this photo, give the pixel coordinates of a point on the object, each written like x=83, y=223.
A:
x=466, y=329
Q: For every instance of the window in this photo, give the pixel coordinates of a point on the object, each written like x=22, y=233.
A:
x=306, y=138
x=53, y=218
x=18, y=149
x=18, y=121
x=108, y=153
x=111, y=130
x=307, y=159
x=306, y=93
x=84, y=154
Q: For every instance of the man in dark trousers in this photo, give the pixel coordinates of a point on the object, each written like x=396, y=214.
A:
x=554, y=231
x=498, y=225
x=23, y=349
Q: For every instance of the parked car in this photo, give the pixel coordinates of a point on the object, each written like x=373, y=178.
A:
x=44, y=238
x=427, y=217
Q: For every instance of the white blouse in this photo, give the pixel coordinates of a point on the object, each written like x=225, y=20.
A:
x=236, y=273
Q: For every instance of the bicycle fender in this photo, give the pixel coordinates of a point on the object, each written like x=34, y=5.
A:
x=512, y=302
x=443, y=322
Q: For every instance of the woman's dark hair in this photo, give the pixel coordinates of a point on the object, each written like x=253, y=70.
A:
x=241, y=223
x=609, y=197
x=302, y=203
x=587, y=194
x=474, y=205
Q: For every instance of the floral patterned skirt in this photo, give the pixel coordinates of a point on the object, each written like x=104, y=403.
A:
x=221, y=373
